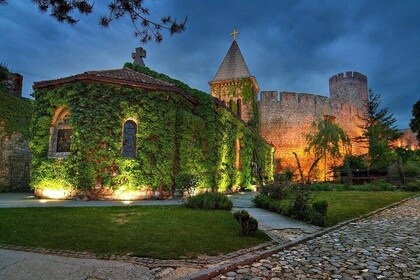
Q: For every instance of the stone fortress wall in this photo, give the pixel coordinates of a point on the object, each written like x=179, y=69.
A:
x=286, y=117
x=15, y=158
x=15, y=155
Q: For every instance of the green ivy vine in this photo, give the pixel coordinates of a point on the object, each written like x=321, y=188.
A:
x=174, y=138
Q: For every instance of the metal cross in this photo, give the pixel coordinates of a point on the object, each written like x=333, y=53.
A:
x=138, y=56
x=234, y=33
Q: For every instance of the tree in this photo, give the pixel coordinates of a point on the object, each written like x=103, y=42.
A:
x=378, y=131
x=328, y=140
x=145, y=28
x=415, y=122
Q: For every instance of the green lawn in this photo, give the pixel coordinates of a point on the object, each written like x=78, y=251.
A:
x=345, y=205
x=148, y=231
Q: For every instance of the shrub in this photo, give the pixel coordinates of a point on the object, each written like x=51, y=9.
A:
x=380, y=185
x=411, y=168
x=300, y=202
x=186, y=183
x=412, y=186
x=209, y=201
x=261, y=201
x=316, y=218
x=248, y=224
x=320, y=207
x=277, y=189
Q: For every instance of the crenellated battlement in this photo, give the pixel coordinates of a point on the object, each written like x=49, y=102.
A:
x=349, y=75
x=349, y=87
x=293, y=98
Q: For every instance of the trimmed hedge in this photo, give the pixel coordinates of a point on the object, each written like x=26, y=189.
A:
x=210, y=201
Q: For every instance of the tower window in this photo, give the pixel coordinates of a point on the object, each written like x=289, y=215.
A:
x=239, y=106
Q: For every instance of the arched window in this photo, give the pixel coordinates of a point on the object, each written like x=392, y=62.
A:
x=129, y=139
x=239, y=106
x=60, y=134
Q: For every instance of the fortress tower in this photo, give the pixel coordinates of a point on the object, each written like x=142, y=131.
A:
x=350, y=87
x=234, y=85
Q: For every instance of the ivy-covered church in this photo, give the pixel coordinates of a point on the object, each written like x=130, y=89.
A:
x=132, y=133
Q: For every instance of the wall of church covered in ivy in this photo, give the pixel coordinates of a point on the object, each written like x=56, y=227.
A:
x=174, y=138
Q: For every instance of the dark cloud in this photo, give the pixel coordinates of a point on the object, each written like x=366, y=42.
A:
x=288, y=45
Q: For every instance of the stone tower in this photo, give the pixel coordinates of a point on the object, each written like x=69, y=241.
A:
x=234, y=85
x=350, y=87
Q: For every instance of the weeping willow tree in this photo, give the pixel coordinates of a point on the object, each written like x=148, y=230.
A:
x=328, y=141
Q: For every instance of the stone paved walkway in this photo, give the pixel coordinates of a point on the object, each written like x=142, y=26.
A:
x=32, y=266
x=278, y=227
x=383, y=246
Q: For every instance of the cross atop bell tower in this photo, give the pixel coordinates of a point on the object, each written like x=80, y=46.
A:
x=234, y=33
x=138, y=56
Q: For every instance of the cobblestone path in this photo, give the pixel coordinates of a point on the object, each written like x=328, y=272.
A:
x=383, y=246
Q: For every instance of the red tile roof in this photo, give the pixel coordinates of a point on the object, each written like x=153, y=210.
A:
x=124, y=76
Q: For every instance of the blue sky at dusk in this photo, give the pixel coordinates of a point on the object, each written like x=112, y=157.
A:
x=288, y=45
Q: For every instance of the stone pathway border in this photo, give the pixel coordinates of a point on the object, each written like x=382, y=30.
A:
x=222, y=269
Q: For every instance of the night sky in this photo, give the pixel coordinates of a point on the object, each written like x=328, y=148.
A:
x=288, y=45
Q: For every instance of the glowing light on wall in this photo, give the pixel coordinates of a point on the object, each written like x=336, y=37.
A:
x=54, y=194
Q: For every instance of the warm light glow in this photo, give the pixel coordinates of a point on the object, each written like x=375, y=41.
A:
x=126, y=196
x=54, y=194
x=126, y=202
x=43, y=200
x=238, y=154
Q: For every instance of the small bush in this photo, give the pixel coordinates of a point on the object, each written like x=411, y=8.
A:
x=277, y=189
x=411, y=168
x=320, y=207
x=316, y=218
x=186, y=183
x=261, y=201
x=248, y=224
x=209, y=201
x=380, y=185
x=412, y=186
x=300, y=202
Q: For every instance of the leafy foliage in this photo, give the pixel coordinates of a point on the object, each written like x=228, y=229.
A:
x=145, y=28
x=320, y=207
x=412, y=186
x=327, y=140
x=15, y=113
x=415, y=122
x=174, y=137
x=249, y=225
x=209, y=201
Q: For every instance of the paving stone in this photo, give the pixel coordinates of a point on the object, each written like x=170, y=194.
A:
x=383, y=246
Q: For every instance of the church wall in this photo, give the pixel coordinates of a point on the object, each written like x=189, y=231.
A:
x=174, y=138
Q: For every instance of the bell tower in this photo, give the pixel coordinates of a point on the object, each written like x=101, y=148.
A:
x=234, y=85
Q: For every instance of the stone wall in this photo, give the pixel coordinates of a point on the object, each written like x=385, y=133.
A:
x=14, y=162
x=286, y=117
x=13, y=84
x=407, y=140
